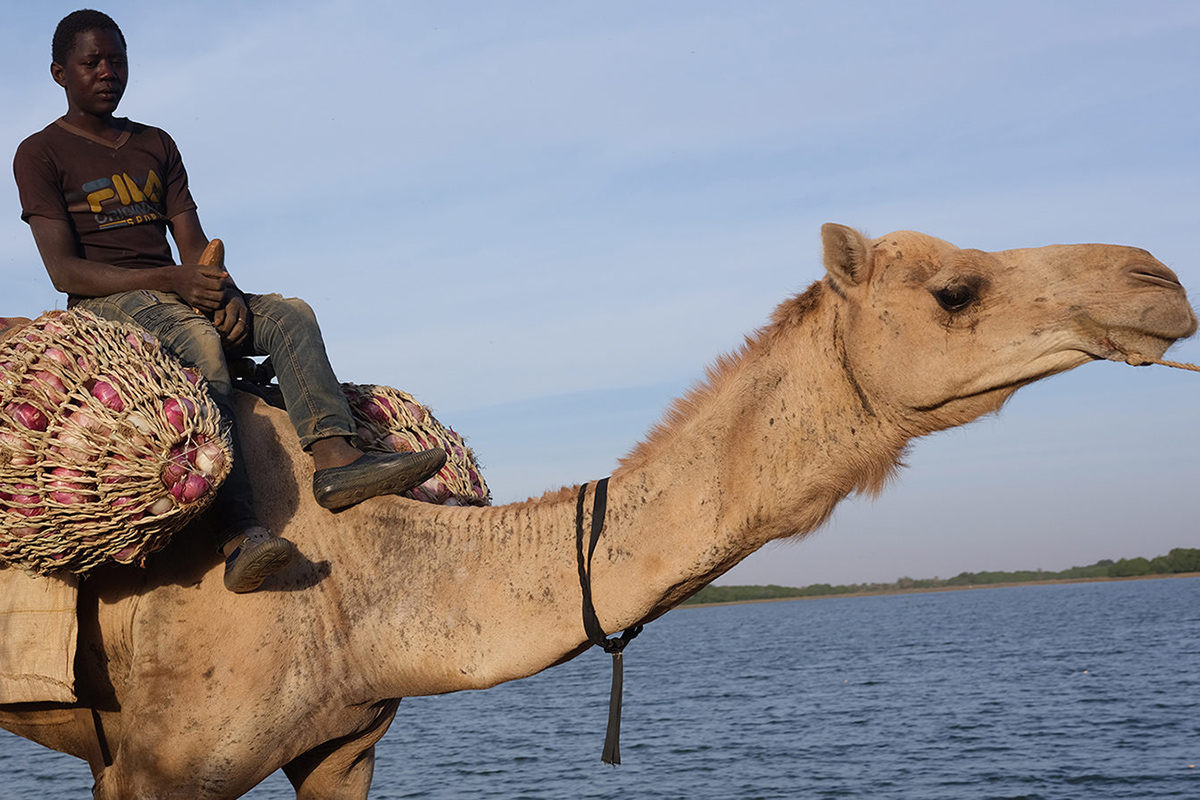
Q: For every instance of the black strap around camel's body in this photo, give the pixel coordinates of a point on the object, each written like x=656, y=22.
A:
x=591, y=624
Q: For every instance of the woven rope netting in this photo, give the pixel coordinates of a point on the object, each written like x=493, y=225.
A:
x=107, y=444
x=390, y=420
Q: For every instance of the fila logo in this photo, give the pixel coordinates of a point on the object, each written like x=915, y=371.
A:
x=124, y=188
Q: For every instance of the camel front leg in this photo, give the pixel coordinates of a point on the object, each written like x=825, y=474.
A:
x=341, y=769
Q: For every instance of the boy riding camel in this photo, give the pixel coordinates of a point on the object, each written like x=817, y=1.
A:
x=100, y=194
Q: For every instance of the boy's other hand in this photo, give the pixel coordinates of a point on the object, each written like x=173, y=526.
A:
x=201, y=287
x=232, y=320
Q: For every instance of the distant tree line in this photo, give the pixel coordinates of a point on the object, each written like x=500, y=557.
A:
x=1177, y=561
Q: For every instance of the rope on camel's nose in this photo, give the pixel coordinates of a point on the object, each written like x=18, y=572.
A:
x=1142, y=361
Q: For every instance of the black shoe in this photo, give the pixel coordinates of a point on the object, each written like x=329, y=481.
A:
x=374, y=474
x=257, y=557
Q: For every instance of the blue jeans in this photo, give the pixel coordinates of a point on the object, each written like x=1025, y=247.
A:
x=283, y=328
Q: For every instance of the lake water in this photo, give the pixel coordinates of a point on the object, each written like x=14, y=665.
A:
x=1067, y=691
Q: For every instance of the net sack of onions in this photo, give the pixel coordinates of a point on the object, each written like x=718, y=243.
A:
x=107, y=444
x=392, y=421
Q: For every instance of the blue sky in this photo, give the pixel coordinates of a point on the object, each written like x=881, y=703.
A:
x=544, y=219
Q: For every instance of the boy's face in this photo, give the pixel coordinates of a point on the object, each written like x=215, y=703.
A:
x=95, y=73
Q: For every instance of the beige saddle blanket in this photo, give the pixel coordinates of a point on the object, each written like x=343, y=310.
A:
x=38, y=631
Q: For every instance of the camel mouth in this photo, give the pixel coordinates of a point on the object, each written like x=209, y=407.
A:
x=1160, y=326
x=1133, y=346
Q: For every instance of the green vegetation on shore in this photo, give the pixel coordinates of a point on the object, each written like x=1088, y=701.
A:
x=1177, y=561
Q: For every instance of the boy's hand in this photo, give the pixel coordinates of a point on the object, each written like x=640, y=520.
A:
x=232, y=320
x=201, y=287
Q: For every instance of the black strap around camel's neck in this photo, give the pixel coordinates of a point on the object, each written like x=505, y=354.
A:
x=591, y=624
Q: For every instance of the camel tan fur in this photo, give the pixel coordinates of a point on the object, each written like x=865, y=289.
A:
x=202, y=694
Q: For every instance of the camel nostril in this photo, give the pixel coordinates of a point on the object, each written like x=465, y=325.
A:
x=1155, y=274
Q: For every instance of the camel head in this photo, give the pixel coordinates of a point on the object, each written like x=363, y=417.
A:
x=938, y=335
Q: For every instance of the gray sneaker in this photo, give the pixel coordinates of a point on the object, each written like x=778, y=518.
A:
x=258, y=556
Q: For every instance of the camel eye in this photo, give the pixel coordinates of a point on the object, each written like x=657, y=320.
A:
x=955, y=298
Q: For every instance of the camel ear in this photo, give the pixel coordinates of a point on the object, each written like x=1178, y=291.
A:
x=847, y=254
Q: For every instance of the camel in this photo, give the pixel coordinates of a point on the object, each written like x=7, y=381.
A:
x=200, y=693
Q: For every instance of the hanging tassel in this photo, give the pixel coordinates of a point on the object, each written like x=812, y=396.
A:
x=612, y=739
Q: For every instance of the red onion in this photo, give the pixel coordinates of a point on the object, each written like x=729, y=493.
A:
x=20, y=453
x=143, y=342
x=52, y=384
x=54, y=328
x=126, y=554
x=117, y=469
x=422, y=494
x=85, y=420
x=178, y=410
x=108, y=395
x=28, y=416
x=27, y=502
x=123, y=503
x=58, y=356
x=64, y=488
x=176, y=467
x=398, y=443
x=191, y=488
x=377, y=408
x=439, y=491
x=72, y=447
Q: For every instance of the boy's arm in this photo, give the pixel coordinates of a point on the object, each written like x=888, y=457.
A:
x=202, y=287
x=188, y=235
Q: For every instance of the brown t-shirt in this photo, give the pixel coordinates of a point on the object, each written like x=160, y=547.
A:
x=117, y=196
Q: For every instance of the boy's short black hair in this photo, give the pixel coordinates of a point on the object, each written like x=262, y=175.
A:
x=75, y=23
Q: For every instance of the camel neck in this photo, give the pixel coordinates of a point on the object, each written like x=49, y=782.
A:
x=761, y=452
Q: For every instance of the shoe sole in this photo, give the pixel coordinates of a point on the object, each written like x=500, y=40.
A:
x=417, y=472
x=253, y=568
